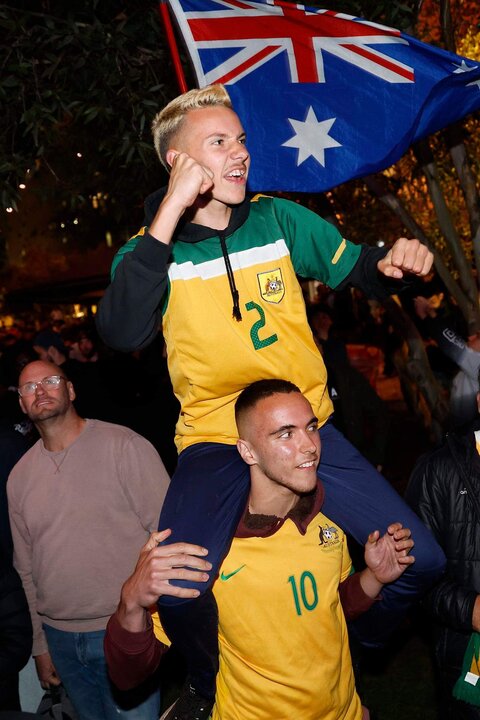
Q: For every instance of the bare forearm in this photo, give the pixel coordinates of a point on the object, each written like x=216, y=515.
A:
x=165, y=222
x=369, y=583
x=132, y=617
x=353, y=598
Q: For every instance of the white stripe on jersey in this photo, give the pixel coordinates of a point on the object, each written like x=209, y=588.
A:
x=239, y=260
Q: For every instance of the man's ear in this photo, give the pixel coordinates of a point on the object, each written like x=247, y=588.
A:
x=478, y=402
x=71, y=391
x=170, y=156
x=246, y=452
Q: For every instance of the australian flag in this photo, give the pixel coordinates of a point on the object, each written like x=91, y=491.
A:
x=324, y=97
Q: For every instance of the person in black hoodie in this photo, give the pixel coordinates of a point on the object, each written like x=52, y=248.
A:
x=218, y=272
x=444, y=490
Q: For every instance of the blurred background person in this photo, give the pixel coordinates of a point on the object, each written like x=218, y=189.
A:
x=444, y=490
x=465, y=353
x=359, y=412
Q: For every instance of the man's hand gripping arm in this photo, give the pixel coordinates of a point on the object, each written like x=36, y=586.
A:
x=156, y=566
x=132, y=651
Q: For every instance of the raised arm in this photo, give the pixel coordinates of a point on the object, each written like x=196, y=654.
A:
x=319, y=251
x=406, y=257
x=380, y=272
x=129, y=314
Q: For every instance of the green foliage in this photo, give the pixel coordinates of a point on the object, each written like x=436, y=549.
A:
x=80, y=82
x=87, y=77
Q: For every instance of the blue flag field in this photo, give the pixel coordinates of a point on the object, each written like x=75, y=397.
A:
x=324, y=97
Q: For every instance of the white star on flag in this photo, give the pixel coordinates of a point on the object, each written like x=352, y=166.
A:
x=475, y=82
x=463, y=67
x=311, y=137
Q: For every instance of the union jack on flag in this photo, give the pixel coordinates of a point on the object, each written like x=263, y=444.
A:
x=324, y=97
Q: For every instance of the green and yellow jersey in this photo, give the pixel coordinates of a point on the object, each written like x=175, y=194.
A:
x=211, y=355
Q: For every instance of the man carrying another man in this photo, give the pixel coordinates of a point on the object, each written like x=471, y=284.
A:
x=283, y=638
x=218, y=272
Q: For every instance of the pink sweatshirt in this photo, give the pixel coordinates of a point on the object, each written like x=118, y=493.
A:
x=79, y=519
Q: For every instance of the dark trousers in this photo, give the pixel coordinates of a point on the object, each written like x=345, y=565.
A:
x=206, y=499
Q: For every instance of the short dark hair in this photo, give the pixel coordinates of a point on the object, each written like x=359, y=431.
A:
x=259, y=390
x=47, y=338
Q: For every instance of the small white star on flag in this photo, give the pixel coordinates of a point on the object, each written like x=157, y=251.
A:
x=463, y=67
x=311, y=137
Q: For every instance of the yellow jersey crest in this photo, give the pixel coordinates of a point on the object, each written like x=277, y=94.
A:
x=272, y=288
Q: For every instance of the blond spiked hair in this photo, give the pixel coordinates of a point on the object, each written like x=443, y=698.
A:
x=168, y=121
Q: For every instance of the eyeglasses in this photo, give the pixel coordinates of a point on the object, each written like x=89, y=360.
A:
x=51, y=382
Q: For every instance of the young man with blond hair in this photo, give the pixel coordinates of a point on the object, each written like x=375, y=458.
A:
x=168, y=121
x=218, y=272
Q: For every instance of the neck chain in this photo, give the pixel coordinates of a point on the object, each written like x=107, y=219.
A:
x=58, y=465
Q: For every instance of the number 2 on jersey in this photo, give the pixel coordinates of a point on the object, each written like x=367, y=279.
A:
x=259, y=343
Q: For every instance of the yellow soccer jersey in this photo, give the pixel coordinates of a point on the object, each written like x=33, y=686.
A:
x=284, y=649
x=212, y=357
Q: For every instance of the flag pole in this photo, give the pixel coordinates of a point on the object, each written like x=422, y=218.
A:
x=172, y=44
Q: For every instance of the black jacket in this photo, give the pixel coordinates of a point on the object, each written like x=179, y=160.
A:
x=445, y=491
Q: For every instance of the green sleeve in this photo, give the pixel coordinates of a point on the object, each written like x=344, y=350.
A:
x=316, y=247
x=128, y=247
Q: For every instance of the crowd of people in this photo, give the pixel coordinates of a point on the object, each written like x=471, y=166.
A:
x=235, y=553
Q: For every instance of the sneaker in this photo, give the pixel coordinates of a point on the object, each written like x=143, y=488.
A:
x=189, y=706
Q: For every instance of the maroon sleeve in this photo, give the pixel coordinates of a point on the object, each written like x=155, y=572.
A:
x=131, y=657
x=354, y=600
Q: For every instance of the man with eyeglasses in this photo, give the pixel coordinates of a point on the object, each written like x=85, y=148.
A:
x=82, y=502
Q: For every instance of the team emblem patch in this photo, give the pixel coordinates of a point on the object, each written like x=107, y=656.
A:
x=271, y=285
x=328, y=535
